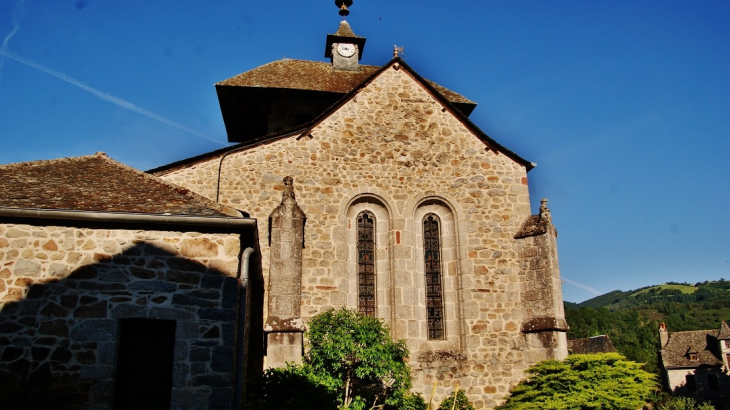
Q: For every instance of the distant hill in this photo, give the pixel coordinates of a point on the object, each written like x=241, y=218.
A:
x=631, y=318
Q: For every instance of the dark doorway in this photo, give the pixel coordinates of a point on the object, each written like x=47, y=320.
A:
x=144, y=364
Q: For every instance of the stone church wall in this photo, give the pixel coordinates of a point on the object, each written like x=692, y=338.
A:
x=63, y=291
x=396, y=152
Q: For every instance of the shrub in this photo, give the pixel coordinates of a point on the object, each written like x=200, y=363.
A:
x=583, y=381
x=462, y=403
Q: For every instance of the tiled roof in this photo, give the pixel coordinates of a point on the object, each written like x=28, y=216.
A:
x=680, y=344
x=596, y=344
x=98, y=183
x=724, y=332
x=316, y=76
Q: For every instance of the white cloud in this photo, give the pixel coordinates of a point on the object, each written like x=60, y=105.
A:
x=105, y=96
x=581, y=286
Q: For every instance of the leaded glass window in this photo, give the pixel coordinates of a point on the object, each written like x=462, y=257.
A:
x=366, y=263
x=434, y=287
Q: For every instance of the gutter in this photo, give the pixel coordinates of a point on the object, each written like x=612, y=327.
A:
x=242, y=321
x=128, y=217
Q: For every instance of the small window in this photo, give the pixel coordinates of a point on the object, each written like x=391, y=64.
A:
x=727, y=343
x=693, y=357
x=366, y=263
x=691, y=383
x=432, y=269
x=713, y=382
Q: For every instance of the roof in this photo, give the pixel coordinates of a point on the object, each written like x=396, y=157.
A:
x=317, y=76
x=305, y=128
x=724, y=332
x=595, y=344
x=704, y=342
x=98, y=183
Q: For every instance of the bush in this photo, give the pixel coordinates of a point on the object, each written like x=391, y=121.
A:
x=352, y=363
x=583, y=381
x=462, y=403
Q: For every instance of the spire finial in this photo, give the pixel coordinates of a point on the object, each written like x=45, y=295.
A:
x=287, y=196
x=544, y=211
x=343, y=5
x=397, y=50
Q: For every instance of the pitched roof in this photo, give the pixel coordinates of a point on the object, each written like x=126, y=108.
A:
x=595, y=344
x=680, y=344
x=317, y=76
x=305, y=128
x=98, y=183
x=724, y=332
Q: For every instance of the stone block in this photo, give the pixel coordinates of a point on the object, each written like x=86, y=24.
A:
x=100, y=330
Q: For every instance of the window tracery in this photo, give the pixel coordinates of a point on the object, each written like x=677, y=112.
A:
x=366, y=263
x=432, y=269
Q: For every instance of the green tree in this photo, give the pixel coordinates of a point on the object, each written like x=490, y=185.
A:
x=583, y=381
x=357, y=353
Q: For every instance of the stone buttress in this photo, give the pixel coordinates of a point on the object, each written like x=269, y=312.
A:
x=284, y=326
x=544, y=325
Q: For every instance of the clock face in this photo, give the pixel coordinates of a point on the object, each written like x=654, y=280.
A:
x=346, y=50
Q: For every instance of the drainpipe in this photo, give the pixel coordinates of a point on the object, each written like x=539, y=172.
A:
x=241, y=327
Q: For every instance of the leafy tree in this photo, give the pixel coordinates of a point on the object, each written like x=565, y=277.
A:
x=583, y=381
x=462, y=402
x=352, y=363
x=355, y=351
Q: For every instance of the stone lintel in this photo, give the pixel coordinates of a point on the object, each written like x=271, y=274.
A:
x=284, y=325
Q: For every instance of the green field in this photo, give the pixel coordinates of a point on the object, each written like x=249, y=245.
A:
x=687, y=289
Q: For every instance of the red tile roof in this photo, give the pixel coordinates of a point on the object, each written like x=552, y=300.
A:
x=98, y=183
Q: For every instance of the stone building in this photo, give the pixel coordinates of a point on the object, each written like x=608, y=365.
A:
x=395, y=204
x=695, y=364
x=119, y=289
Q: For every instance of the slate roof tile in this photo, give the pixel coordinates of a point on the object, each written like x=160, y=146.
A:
x=679, y=344
x=98, y=183
x=316, y=76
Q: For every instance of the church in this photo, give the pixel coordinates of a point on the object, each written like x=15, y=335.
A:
x=365, y=187
x=396, y=205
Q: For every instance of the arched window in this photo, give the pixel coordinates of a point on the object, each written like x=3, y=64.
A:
x=366, y=263
x=432, y=269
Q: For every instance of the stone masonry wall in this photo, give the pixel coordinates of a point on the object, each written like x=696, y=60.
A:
x=394, y=150
x=63, y=290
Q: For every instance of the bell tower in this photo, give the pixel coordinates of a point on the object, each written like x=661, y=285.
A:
x=344, y=48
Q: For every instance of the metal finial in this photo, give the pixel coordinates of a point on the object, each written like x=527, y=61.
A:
x=397, y=50
x=343, y=5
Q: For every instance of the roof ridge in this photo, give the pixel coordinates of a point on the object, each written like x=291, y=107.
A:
x=51, y=161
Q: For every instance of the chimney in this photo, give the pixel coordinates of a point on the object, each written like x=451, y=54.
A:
x=663, y=335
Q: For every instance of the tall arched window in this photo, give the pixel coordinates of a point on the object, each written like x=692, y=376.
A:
x=366, y=263
x=432, y=269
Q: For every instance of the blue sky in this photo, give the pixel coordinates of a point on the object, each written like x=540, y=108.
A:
x=624, y=105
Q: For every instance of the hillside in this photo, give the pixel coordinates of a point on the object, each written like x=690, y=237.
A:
x=631, y=318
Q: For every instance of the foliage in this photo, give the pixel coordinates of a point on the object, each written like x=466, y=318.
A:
x=631, y=318
x=583, y=381
x=462, y=402
x=293, y=387
x=357, y=354
x=352, y=363
x=682, y=403
x=634, y=335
